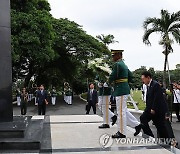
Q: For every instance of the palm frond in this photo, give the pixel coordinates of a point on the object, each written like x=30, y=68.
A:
x=165, y=14
x=176, y=35
x=146, y=35
x=165, y=20
x=148, y=21
x=174, y=26
x=175, y=16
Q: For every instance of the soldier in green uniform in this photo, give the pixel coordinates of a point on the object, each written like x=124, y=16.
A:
x=120, y=77
x=24, y=101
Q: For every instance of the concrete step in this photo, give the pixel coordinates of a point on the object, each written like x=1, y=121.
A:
x=19, y=144
x=11, y=134
x=16, y=128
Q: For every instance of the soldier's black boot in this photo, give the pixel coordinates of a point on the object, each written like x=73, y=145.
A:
x=118, y=135
x=104, y=126
x=138, y=129
x=114, y=119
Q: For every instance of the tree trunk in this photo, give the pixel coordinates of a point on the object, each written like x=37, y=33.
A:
x=165, y=65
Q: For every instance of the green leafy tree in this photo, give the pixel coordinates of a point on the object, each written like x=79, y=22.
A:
x=32, y=38
x=175, y=74
x=73, y=48
x=168, y=26
x=152, y=71
x=178, y=66
x=137, y=83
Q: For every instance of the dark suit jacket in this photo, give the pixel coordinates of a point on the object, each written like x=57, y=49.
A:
x=94, y=97
x=41, y=97
x=155, y=99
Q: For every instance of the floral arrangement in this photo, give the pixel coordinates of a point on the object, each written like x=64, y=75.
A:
x=99, y=64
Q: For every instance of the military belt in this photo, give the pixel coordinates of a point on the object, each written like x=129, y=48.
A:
x=121, y=80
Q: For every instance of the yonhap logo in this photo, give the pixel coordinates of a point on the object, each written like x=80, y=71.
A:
x=106, y=141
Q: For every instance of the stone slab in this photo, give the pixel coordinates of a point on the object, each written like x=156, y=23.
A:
x=143, y=151
x=80, y=134
x=76, y=119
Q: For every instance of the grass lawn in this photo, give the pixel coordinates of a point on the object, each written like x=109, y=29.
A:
x=136, y=95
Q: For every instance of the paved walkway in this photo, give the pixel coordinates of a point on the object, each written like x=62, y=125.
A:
x=71, y=131
x=61, y=108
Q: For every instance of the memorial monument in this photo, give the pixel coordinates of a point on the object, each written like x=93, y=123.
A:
x=6, y=109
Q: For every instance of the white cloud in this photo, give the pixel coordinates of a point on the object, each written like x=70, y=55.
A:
x=123, y=19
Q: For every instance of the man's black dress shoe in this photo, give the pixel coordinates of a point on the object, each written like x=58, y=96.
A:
x=118, y=135
x=104, y=126
x=138, y=129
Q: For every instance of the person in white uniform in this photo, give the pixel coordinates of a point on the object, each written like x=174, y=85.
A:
x=103, y=104
x=69, y=97
x=35, y=95
x=67, y=93
x=66, y=86
x=176, y=93
x=18, y=96
x=53, y=96
x=144, y=92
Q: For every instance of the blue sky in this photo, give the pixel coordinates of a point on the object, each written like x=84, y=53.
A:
x=123, y=19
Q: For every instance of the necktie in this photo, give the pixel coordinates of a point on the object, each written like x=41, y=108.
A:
x=147, y=89
x=91, y=94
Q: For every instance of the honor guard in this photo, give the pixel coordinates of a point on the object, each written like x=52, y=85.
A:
x=103, y=104
x=53, y=96
x=18, y=96
x=119, y=78
x=67, y=93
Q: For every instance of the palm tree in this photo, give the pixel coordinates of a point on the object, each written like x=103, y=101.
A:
x=168, y=26
x=106, y=39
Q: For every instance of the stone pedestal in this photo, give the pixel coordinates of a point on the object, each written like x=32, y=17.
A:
x=24, y=133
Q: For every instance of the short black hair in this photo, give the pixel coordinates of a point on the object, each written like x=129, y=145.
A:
x=91, y=84
x=147, y=74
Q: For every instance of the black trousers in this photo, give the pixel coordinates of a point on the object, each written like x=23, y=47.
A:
x=93, y=105
x=177, y=109
x=159, y=122
x=42, y=109
x=23, y=108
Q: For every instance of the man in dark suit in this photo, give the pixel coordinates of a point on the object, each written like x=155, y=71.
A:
x=92, y=99
x=156, y=107
x=42, y=100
